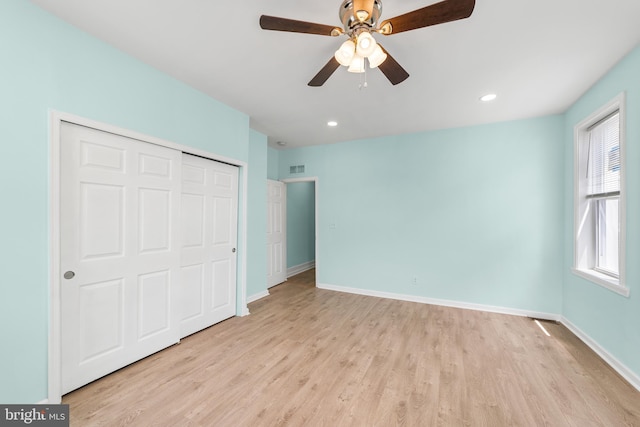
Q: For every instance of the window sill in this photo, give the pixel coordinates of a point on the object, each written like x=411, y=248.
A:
x=603, y=280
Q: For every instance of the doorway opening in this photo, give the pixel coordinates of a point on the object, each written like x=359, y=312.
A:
x=302, y=225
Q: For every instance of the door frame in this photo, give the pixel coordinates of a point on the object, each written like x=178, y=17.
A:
x=56, y=118
x=316, y=184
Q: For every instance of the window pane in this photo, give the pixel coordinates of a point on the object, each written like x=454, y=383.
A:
x=604, y=156
x=607, y=234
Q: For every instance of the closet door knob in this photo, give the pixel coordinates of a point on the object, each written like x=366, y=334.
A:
x=69, y=275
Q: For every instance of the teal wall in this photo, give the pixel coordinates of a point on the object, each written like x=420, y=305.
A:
x=256, y=217
x=610, y=319
x=301, y=220
x=273, y=159
x=474, y=214
x=49, y=65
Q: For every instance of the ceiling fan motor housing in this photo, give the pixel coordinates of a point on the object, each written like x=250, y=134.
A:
x=352, y=15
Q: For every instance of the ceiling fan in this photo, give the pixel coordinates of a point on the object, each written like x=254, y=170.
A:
x=360, y=19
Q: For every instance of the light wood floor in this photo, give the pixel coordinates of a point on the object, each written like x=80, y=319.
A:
x=307, y=356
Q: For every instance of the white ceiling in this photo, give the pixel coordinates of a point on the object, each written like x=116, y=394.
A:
x=538, y=56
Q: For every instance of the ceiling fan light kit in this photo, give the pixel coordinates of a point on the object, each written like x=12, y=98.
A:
x=366, y=44
x=357, y=64
x=377, y=57
x=345, y=54
x=359, y=19
x=351, y=54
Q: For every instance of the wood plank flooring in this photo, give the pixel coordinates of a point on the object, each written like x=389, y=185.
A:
x=312, y=357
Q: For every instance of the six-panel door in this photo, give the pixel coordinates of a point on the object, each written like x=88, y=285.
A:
x=125, y=288
x=209, y=239
x=276, y=233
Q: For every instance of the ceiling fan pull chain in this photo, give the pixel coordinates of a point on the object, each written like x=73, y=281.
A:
x=364, y=84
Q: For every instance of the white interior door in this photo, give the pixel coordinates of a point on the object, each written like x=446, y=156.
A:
x=120, y=255
x=209, y=215
x=276, y=232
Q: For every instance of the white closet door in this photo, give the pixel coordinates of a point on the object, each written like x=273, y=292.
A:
x=120, y=255
x=209, y=240
x=276, y=232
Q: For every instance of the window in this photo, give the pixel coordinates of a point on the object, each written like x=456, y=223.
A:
x=599, y=197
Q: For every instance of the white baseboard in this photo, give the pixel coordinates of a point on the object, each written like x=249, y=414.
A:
x=618, y=366
x=300, y=268
x=259, y=295
x=445, y=303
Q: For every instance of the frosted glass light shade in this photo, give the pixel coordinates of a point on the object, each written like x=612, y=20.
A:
x=377, y=57
x=345, y=54
x=357, y=64
x=366, y=44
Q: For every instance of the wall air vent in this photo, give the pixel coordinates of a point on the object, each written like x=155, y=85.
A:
x=296, y=169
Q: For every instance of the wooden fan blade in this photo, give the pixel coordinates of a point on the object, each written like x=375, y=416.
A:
x=283, y=24
x=439, y=13
x=392, y=70
x=324, y=74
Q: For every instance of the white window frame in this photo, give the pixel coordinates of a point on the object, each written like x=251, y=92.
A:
x=584, y=218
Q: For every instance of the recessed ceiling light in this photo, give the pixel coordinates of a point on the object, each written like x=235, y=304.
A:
x=281, y=143
x=332, y=123
x=488, y=97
